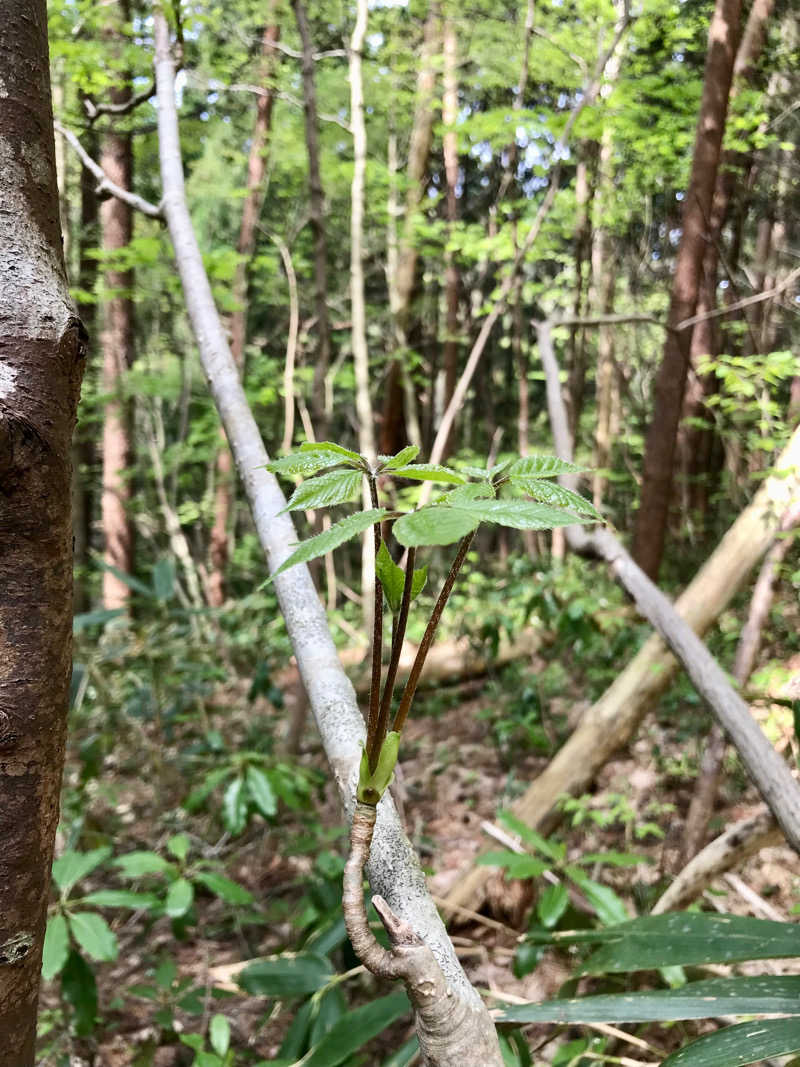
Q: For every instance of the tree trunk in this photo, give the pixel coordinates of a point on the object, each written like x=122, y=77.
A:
x=41, y=363
x=116, y=340
x=399, y=395
x=317, y=213
x=670, y=384
x=576, y=373
x=83, y=449
x=452, y=278
x=697, y=441
x=256, y=167
x=392, y=867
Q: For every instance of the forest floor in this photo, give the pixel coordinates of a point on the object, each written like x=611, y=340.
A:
x=454, y=778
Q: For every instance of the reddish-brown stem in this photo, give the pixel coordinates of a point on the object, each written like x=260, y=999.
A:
x=377, y=644
x=430, y=633
x=398, y=634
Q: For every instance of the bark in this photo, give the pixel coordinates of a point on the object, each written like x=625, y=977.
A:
x=697, y=441
x=358, y=310
x=714, y=747
x=739, y=842
x=400, y=395
x=452, y=277
x=41, y=363
x=610, y=722
x=670, y=384
x=317, y=219
x=576, y=377
x=83, y=451
x=256, y=169
x=392, y=868
x=116, y=341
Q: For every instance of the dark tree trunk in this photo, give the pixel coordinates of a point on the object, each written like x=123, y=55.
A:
x=670, y=385
x=41, y=362
x=696, y=439
x=116, y=221
x=256, y=169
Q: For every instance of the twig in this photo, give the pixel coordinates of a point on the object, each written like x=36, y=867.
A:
x=745, y=302
x=430, y=633
x=93, y=110
x=398, y=634
x=105, y=184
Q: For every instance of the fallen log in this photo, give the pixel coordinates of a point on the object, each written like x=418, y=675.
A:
x=610, y=723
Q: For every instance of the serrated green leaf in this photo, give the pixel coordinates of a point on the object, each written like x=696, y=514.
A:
x=56, y=947
x=428, y=472
x=542, y=467
x=515, y=864
x=222, y=887
x=471, y=491
x=552, y=904
x=764, y=994
x=329, y=446
x=219, y=1034
x=180, y=896
x=329, y=539
x=70, y=867
x=306, y=463
x=261, y=792
x=326, y=490
x=138, y=864
x=402, y=459
x=391, y=577
x=519, y=514
x=353, y=1031
x=198, y=796
x=553, y=493
x=234, y=806
x=287, y=975
x=121, y=898
x=434, y=525
x=94, y=935
x=738, y=1045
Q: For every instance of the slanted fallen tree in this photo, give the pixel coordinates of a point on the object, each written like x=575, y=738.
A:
x=612, y=720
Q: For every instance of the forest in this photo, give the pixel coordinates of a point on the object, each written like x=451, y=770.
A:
x=399, y=510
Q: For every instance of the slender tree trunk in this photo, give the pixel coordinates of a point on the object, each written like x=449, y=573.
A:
x=400, y=394
x=670, y=385
x=452, y=278
x=41, y=363
x=116, y=340
x=576, y=373
x=696, y=442
x=317, y=212
x=256, y=169
x=83, y=450
x=392, y=867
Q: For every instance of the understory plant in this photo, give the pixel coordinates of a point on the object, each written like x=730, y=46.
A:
x=516, y=493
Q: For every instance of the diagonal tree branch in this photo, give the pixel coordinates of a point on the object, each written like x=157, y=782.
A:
x=105, y=184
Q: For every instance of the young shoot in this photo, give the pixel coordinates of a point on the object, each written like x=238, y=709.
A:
x=515, y=493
